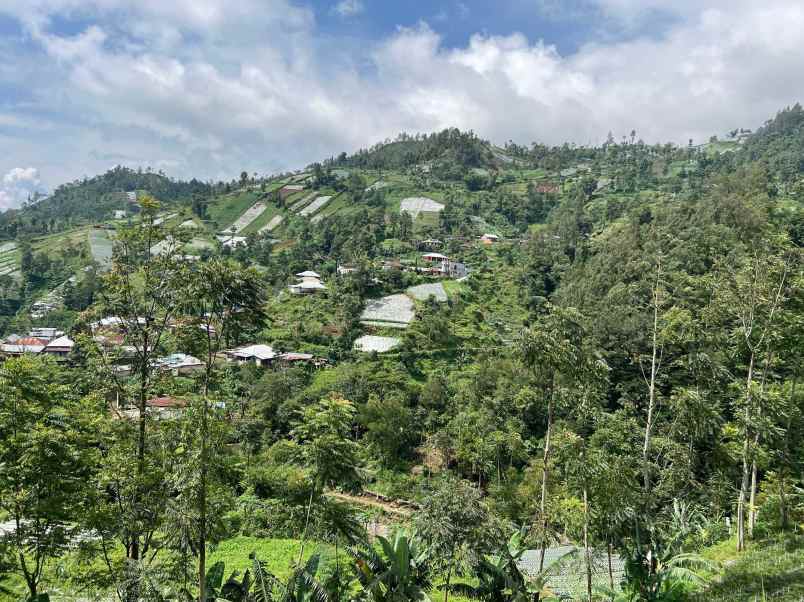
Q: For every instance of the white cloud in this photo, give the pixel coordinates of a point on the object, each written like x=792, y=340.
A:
x=348, y=8
x=18, y=185
x=211, y=88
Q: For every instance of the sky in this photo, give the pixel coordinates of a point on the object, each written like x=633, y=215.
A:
x=210, y=88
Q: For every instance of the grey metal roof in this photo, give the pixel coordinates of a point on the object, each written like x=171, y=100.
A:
x=566, y=569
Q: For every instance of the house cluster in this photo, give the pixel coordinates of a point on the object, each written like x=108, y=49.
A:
x=438, y=264
x=50, y=341
x=309, y=283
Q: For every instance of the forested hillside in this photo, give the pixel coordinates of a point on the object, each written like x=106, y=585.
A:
x=433, y=368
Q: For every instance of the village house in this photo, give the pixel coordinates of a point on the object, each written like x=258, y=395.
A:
x=441, y=265
x=546, y=188
x=15, y=346
x=231, y=241
x=45, y=333
x=310, y=283
x=35, y=342
x=262, y=355
x=60, y=347
x=430, y=243
x=488, y=239
x=156, y=407
x=291, y=359
x=290, y=189
x=345, y=269
x=179, y=364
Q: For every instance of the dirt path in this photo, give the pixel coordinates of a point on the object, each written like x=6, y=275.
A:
x=374, y=502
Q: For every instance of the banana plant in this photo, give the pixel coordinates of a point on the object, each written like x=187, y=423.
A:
x=397, y=572
x=301, y=586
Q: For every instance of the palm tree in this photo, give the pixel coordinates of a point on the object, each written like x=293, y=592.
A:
x=398, y=572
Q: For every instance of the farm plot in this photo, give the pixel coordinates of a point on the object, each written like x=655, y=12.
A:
x=425, y=291
x=393, y=311
x=273, y=224
x=373, y=343
x=301, y=203
x=249, y=216
x=315, y=205
x=416, y=205
x=8, y=258
x=101, y=246
x=163, y=218
x=377, y=185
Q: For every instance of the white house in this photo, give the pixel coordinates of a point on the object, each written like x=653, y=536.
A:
x=258, y=354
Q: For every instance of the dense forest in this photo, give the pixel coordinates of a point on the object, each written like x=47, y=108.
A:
x=607, y=407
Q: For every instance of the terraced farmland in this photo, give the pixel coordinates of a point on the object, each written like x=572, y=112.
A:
x=101, y=246
x=370, y=343
x=9, y=258
x=423, y=292
x=296, y=206
x=416, y=205
x=393, y=311
x=251, y=214
x=273, y=224
x=315, y=205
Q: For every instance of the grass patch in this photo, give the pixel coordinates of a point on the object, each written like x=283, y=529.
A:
x=279, y=555
x=771, y=569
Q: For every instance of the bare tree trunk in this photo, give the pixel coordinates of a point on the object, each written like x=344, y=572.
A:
x=306, y=524
x=746, y=473
x=783, y=513
x=752, y=507
x=611, y=572
x=545, y=474
x=202, y=494
x=202, y=503
x=654, y=369
x=449, y=577
x=752, y=498
x=587, y=553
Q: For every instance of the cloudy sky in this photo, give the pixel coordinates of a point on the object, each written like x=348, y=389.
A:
x=208, y=88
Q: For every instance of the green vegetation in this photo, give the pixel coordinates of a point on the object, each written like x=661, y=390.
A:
x=612, y=390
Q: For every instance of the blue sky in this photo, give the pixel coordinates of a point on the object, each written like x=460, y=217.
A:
x=208, y=88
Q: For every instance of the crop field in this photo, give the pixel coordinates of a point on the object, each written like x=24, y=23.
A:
x=374, y=343
x=273, y=224
x=394, y=311
x=377, y=185
x=244, y=221
x=101, y=246
x=315, y=205
x=423, y=292
x=9, y=258
x=163, y=218
x=416, y=205
x=303, y=199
